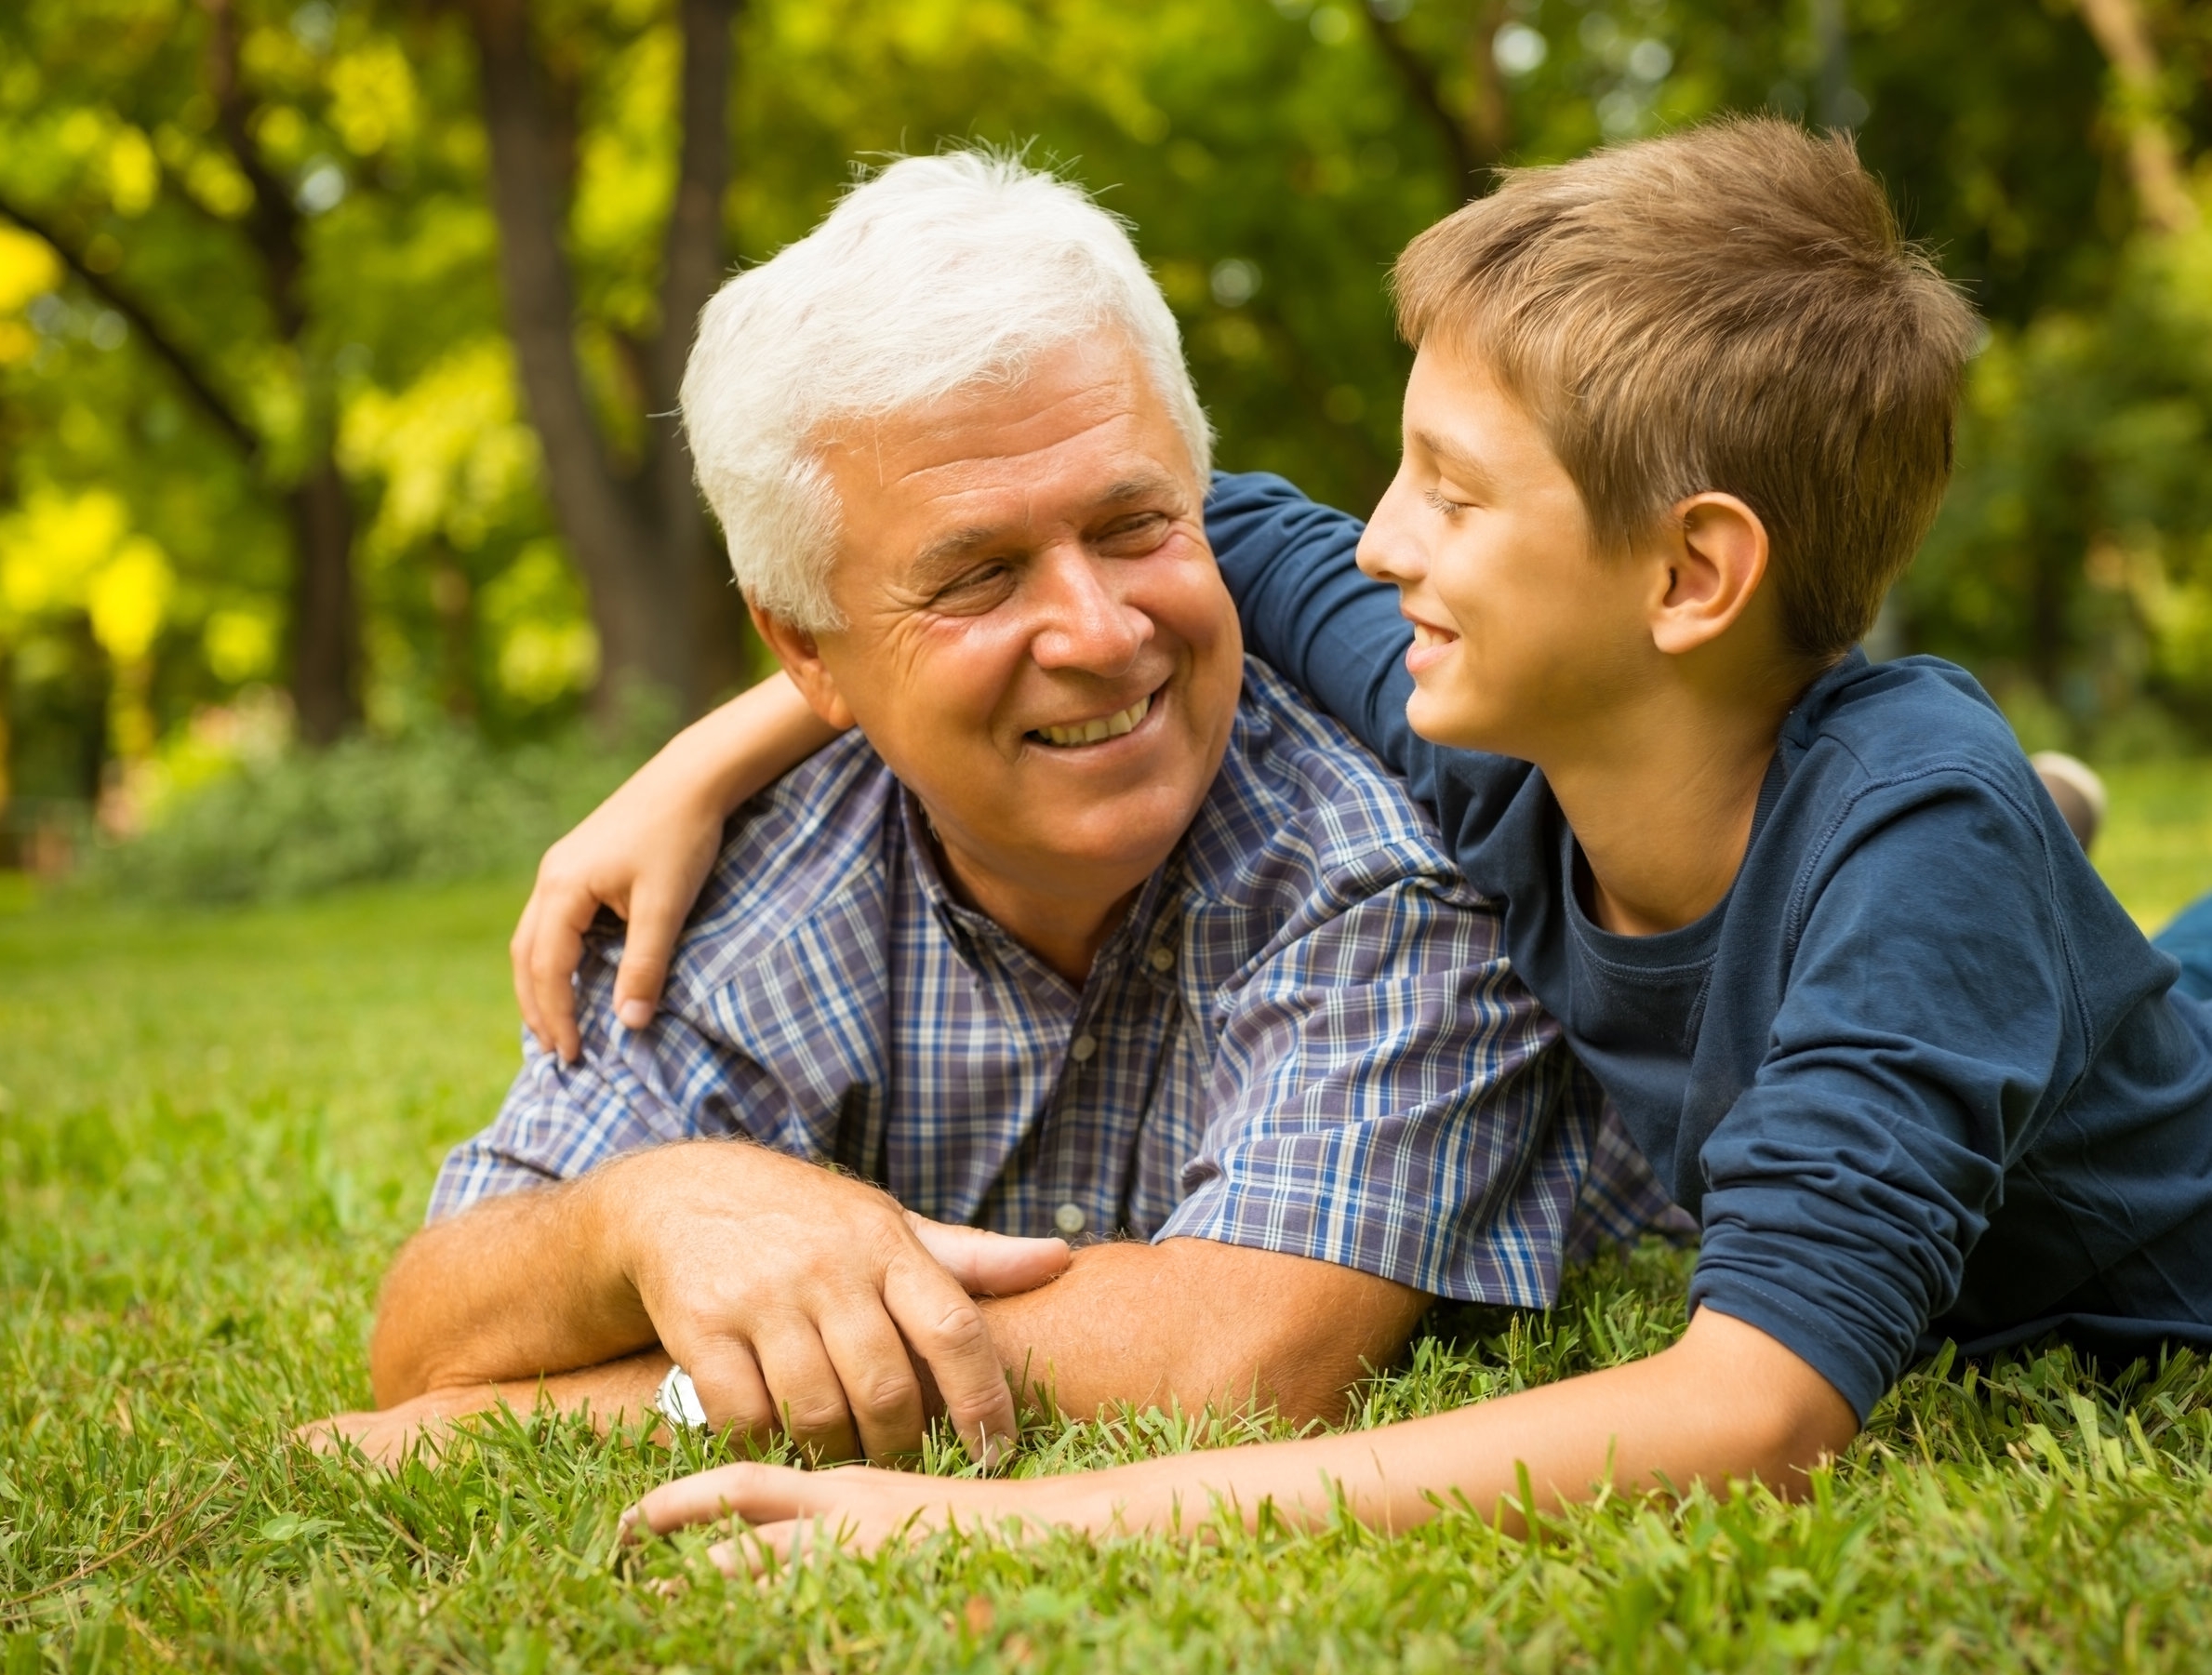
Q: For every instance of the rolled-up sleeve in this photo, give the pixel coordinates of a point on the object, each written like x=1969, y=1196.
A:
x=1930, y=1009
x=627, y=1090
x=1385, y=1096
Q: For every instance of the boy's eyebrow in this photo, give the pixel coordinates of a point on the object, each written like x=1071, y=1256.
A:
x=1466, y=470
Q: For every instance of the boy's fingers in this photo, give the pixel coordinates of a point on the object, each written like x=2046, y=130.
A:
x=989, y=1263
x=556, y=948
x=949, y=1332
x=656, y=921
x=758, y=1494
x=518, y=967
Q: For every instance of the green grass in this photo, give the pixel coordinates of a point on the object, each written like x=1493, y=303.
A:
x=2157, y=848
x=214, y=1130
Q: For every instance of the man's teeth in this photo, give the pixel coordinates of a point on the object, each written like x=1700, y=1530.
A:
x=1106, y=726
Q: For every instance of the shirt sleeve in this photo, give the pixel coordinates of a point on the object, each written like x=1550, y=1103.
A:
x=1387, y=1097
x=1306, y=609
x=627, y=1090
x=1930, y=1006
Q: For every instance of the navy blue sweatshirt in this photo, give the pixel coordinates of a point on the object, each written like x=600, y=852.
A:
x=1918, y=1075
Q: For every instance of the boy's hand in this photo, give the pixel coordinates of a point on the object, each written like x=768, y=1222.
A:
x=644, y=852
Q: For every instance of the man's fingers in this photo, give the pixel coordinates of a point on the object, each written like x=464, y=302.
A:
x=656, y=920
x=805, y=1387
x=948, y=1331
x=877, y=1373
x=989, y=1263
x=732, y=1390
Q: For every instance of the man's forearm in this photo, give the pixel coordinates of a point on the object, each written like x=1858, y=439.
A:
x=512, y=1288
x=1193, y=1322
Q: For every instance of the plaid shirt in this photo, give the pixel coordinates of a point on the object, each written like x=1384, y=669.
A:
x=1303, y=1037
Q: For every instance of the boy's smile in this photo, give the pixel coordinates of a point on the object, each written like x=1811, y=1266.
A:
x=1520, y=633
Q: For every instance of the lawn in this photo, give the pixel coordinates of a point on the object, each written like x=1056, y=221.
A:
x=214, y=1130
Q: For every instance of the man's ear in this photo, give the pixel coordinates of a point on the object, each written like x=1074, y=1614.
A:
x=801, y=656
x=1715, y=552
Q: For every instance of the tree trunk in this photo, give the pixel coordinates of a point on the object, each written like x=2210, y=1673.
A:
x=326, y=630
x=640, y=603
x=325, y=615
x=692, y=270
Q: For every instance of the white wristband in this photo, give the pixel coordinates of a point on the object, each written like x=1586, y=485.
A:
x=677, y=1400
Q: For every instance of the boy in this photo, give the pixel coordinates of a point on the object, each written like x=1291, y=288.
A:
x=1680, y=414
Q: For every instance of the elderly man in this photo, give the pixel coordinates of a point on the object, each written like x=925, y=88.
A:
x=1090, y=931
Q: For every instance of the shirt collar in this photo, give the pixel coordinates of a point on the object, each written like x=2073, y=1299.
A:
x=970, y=931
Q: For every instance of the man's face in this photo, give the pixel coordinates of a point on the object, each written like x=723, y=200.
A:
x=1524, y=637
x=1038, y=640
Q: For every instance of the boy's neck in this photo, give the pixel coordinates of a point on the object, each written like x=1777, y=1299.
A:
x=1662, y=808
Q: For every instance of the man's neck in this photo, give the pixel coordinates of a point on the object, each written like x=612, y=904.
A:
x=1662, y=809
x=1065, y=926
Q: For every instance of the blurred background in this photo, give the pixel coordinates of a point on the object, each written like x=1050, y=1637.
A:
x=344, y=533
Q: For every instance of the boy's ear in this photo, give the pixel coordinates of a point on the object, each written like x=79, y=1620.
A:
x=800, y=655
x=1715, y=552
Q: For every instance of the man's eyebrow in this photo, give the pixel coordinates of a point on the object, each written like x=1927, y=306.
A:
x=1140, y=488
x=1467, y=469
x=955, y=545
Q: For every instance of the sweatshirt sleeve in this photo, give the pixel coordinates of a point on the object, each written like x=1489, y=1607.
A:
x=1931, y=1006
x=1308, y=612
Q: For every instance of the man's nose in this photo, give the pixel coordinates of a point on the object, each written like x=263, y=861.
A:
x=1084, y=623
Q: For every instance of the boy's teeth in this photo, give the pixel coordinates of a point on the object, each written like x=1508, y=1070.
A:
x=1106, y=726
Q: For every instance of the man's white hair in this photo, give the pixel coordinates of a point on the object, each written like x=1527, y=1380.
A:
x=938, y=274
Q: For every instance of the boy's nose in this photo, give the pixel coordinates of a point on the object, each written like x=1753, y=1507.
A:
x=1389, y=551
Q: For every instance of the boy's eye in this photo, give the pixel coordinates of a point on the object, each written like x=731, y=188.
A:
x=1438, y=501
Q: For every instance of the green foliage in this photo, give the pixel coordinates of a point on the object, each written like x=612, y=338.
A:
x=2074, y=553
x=436, y=804
x=1271, y=158
x=214, y=1131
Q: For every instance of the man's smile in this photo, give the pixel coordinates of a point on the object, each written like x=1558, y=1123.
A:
x=1076, y=735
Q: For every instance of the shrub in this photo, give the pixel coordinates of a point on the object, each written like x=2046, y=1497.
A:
x=438, y=805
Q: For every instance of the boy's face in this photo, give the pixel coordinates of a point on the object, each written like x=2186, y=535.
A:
x=1525, y=639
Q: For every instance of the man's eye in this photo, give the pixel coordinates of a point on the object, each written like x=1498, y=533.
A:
x=976, y=589
x=1131, y=537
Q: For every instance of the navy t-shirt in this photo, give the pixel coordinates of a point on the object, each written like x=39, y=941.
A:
x=1918, y=1075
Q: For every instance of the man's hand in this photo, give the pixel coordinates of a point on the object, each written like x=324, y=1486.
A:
x=645, y=852
x=793, y=1295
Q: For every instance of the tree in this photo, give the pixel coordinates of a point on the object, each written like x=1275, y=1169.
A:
x=296, y=468
x=662, y=598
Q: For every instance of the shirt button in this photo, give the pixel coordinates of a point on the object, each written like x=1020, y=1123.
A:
x=1163, y=958
x=1084, y=1046
x=1069, y=1219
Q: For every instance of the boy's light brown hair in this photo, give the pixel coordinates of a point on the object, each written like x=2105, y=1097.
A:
x=1731, y=308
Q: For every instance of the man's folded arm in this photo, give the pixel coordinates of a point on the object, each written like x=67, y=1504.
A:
x=518, y=1285
x=1190, y=1323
